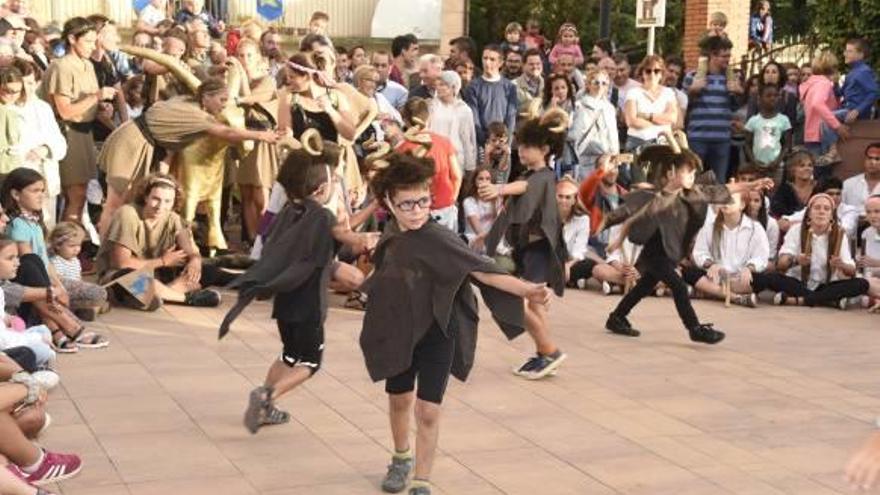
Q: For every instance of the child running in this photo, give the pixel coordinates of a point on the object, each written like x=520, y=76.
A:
x=296, y=266
x=531, y=226
x=666, y=221
x=421, y=321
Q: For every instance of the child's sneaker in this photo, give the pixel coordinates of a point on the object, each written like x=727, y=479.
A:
x=55, y=467
x=606, y=288
x=420, y=487
x=398, y=475
x=47, y=379
x=779, y=299
x=544, y=365
x=582, y=284
x=747, y=300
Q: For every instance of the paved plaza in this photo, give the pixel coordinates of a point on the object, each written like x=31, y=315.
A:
x=774, y=409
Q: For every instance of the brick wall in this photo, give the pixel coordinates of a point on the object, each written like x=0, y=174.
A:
x=696, y=17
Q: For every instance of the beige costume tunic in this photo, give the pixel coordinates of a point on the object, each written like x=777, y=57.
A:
x=75, y=78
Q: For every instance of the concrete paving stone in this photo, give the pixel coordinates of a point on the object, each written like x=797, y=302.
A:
x=775, y=409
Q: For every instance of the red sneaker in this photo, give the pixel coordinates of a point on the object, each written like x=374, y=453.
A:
x=55, y=467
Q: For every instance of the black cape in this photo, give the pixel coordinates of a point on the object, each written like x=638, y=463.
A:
x=299, y=245
x=678, y=216
x=536, y=208
x=422, y=278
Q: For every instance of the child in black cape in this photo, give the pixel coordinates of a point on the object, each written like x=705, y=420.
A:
x=295, y=267
x=421, y=320
x=665, y=221
x=530, y=224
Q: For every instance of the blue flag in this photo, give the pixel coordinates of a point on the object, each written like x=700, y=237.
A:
x=140, y=4
x=270, y=9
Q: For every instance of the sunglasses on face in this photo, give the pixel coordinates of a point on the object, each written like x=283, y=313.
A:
x=656, y=72
x=410, y=204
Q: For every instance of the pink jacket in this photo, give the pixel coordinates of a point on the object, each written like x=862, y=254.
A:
x=817, y=95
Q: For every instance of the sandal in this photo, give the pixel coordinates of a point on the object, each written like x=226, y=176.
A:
x=259, y=402
x=63, y=344
x=90, y=340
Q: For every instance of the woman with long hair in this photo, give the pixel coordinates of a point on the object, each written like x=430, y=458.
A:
x=593, y=130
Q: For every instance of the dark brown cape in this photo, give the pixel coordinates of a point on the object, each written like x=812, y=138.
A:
x=537, y=204
x=677, y=216
x=422, y=278
x=299, y=243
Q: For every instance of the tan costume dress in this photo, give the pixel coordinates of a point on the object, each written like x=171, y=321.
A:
x=128, y=229
x=260, y=166
x=75, y=78
x=128, y=152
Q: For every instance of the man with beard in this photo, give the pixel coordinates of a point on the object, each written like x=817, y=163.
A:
x=513, y=64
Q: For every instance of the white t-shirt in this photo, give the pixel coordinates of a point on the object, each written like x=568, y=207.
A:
x=576, y=233
x=151, y=16
x=818, y=256
x=871, y=239
x=644, y=104
x=485, y=211
x=773, y=236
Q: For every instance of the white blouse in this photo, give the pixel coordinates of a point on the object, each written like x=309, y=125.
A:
x=740, y=246
x=818, y=256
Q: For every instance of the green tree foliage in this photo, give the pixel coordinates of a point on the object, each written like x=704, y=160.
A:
x=489, y=17
x=830, y=21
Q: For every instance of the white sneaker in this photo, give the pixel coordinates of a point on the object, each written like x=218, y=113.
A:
x=746, y=300
x=779, y=299
x=843, y=303
x=581, y=284
x=47, y=379
x=606, y=288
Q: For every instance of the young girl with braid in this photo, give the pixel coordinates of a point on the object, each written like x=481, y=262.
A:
x=816, y=260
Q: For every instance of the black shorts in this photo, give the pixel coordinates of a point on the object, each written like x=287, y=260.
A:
x=303, y=343
x=533, y=261
x=431, y=363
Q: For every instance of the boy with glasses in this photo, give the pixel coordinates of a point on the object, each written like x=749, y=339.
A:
x=421, y=323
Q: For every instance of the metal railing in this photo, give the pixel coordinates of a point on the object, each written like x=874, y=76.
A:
x=798, y=50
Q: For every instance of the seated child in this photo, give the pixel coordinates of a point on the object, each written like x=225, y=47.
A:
x=65, y=243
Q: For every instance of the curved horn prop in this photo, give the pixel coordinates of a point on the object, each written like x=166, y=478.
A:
x=672, y=141
x=312, y=142
x=556, y=116
x=172, y=64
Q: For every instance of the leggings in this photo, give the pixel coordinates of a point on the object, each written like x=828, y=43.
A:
x=31, y=273
x=655, y=266
x=830, y=292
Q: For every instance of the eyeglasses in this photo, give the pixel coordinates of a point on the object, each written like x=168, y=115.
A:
x=656, y=72
x=410, y=204
x=565, y=197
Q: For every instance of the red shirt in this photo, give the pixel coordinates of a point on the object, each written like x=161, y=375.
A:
x=441, y=184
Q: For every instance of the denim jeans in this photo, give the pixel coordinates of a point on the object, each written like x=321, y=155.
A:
x=827, y=135
x=715, y=156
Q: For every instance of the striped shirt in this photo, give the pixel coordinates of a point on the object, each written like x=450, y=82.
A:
x=710, y=111
x=67, y=269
